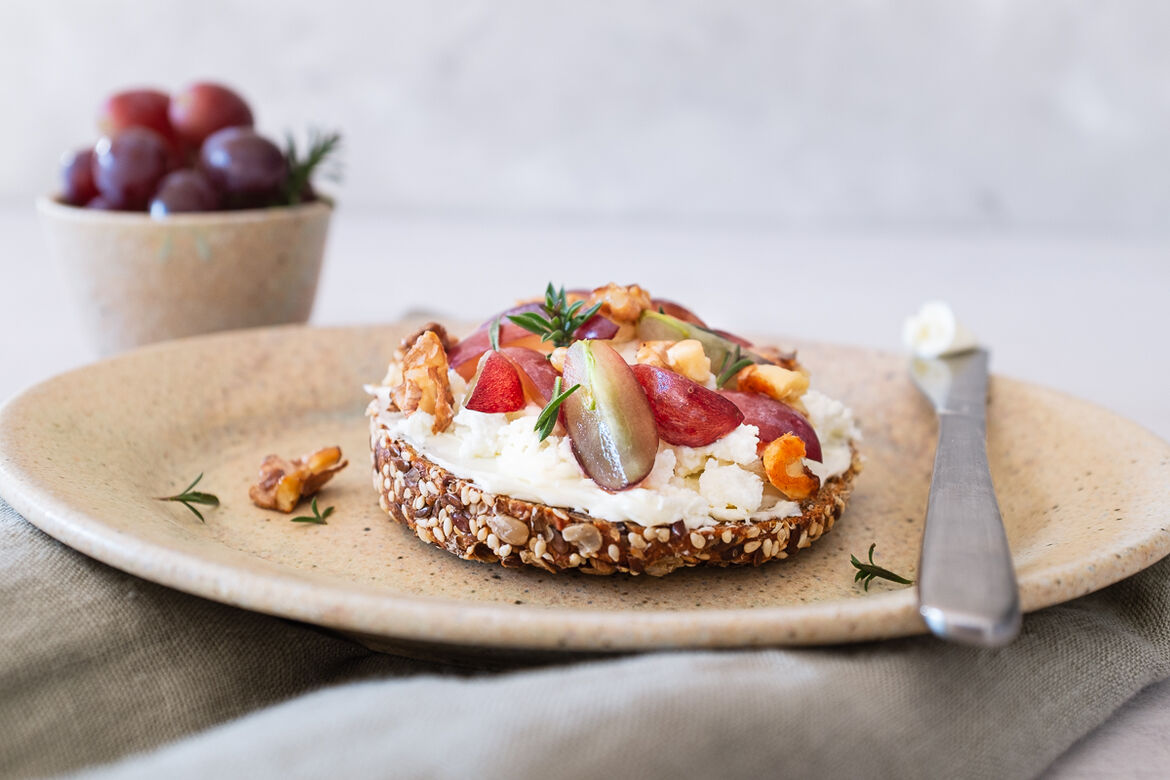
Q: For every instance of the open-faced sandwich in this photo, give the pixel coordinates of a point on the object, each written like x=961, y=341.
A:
x=607, y=431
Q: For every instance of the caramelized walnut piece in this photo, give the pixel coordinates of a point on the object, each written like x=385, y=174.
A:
x=622, y=304
x=781, y=357
x=688, y=358
x=408, y=341
x=653, y=353
x=557, y=358
x=425, y=386
x=776, y=382
x=784, y=464
x=684, y=357
x=283, y=483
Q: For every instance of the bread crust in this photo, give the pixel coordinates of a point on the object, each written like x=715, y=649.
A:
x=453, y=513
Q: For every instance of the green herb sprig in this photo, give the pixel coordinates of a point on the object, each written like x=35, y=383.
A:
x=494, y=334
x=560, y=319
x=317, y=517
x=737, y=363
x=547, y=419
x=866, y=572
x=301, y=169
x=190, y=496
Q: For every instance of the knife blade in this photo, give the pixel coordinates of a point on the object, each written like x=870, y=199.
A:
x=967, y=588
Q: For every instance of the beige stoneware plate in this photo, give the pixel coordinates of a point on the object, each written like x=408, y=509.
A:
x=1085, y=496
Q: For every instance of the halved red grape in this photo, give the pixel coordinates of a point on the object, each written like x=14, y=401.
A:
x=128, y=167
x=686, y=413
x=774, y=419
x=201, y=109
x=243, y=164
x=183, y=191
x=610, y=423
x=536, y=373
x=677, y=310
x=497, y=388
x=77, y=187
x=596, y=327
x=464, y=354
x=136, y=108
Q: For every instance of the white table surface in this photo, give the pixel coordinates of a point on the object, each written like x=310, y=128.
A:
x=1085, y=315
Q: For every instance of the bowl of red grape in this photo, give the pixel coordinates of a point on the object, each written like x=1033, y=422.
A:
x=183, y=219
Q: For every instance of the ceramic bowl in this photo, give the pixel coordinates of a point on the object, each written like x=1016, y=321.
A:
x=136, y=279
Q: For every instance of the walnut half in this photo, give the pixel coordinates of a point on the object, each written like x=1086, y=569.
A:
x=622, y=304
x=283, y=483
x=425, y=386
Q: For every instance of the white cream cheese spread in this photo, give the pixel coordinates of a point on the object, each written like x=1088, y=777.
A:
x=935, y=332
x=502, y=454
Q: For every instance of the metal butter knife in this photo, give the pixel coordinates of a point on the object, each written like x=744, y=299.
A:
x=966, y=584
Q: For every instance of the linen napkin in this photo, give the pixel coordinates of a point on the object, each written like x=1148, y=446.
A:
x=97, y=666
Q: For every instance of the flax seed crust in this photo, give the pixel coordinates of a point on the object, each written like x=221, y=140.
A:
x=449, y=512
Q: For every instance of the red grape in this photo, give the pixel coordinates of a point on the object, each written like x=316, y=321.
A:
x=609, y=419
x=536, y=373
x=686, y=413
x=463, y=355
x=243, y=164
x=201, y=109
x=774, y=419
x=128, y=167
x=596, y=327
x=136, y=108
x=77, y=187
x=498, y=388
x=677, y=310
x=182, y=191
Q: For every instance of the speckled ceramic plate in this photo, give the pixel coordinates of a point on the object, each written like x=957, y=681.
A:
x=82, y=455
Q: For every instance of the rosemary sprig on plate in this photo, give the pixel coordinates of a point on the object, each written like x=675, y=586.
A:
x=301, y=169
x=866, y=572
x=560, y=320
x=548, y=415
x=190, y=496
x=317, y=517
x=737, y=363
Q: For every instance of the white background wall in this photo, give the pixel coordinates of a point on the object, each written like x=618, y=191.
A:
x=852, y=114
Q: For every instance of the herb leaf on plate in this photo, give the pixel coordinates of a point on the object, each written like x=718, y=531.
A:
x=867, y=572
x=318, y=517
x=189, y=496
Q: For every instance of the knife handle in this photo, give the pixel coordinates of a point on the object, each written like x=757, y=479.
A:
x=966, y=584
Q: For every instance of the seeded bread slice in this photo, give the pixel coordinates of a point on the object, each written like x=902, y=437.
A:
x=453, y=513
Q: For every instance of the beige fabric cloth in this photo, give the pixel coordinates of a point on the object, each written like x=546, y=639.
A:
x=96, y=666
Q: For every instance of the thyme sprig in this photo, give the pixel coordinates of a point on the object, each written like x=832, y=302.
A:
x=317, y=517
x=547, y=419
x=190, y=496
x=866, y=572
x=560, y=320
x=737, y=363
x=301, y=169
